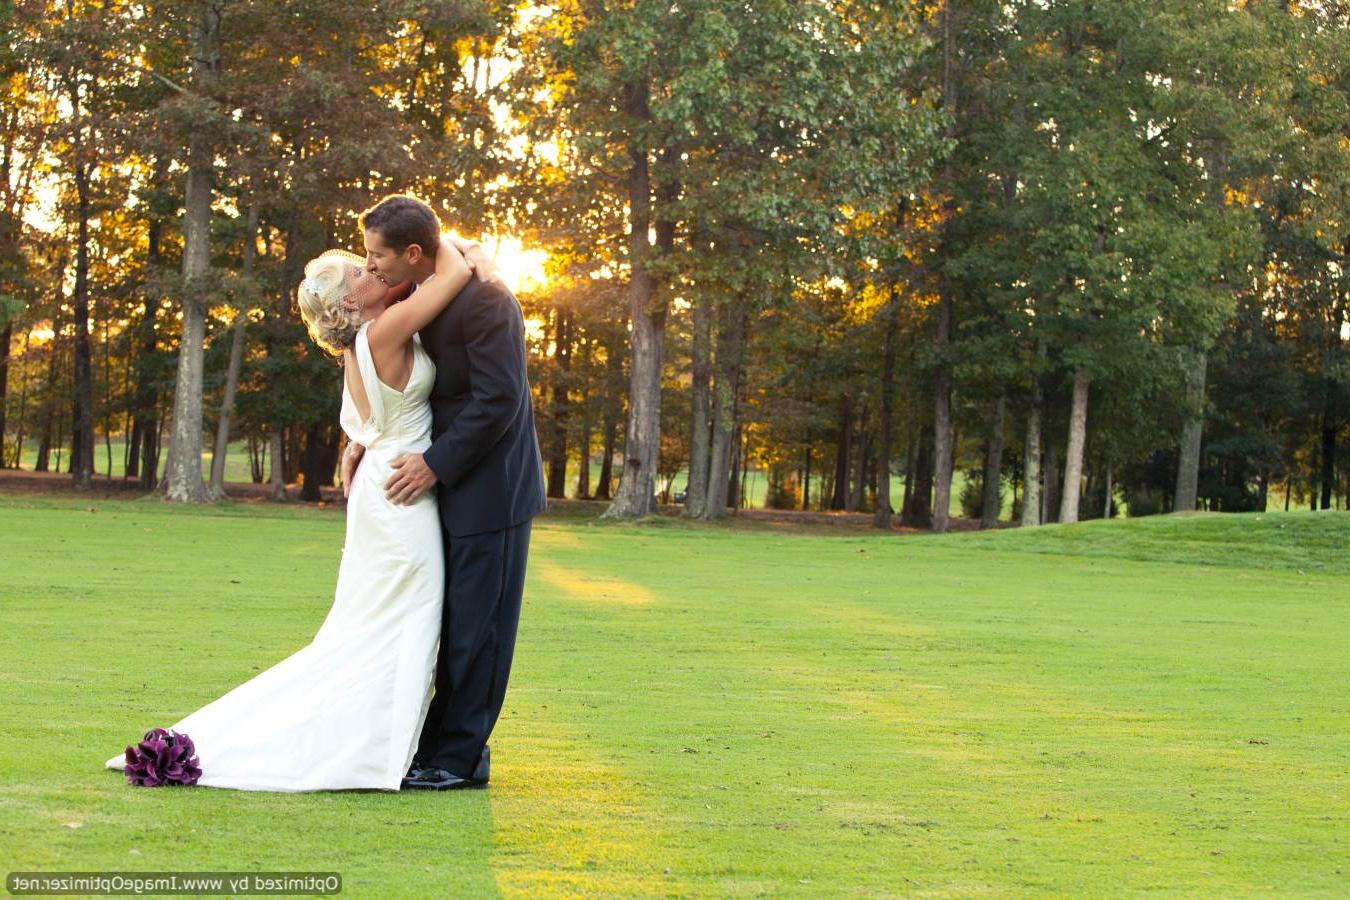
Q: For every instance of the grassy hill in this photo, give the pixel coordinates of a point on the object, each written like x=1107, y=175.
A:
x=1293, y=541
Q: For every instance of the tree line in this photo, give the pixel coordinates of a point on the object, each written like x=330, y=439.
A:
x=1038, y=260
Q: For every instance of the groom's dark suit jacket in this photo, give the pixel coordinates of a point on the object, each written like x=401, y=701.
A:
x=484, y=450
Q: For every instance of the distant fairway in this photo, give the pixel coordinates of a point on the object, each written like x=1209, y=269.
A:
x=1155, y=705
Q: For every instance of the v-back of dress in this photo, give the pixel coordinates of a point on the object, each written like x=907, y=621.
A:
x=346, y=710
x=399, y=421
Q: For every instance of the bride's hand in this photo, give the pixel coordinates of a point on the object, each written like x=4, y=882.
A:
x=448, y=256
x=484, y=266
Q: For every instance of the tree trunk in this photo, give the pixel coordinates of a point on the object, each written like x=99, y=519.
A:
x=107, y=399
x=918, y=511
x=318, y=461
x=292, y=450
x=222, y=445
x=150, y=448
x=1330, y=423
x=584, y=463
x=1050, y=483
x=10, y=239
x=82, y=431
x=1031, y=465
x=330, y=448
x=740, y=445
x=607, y=460
x=146, y=396
x=858, y=491
x=736, y=483
x=1106, y=504
x=44, y=451
x=183, y=478
x=132, y=467
x=311, y=468
x=61, y=441
x=1328, y=454
x=942, y=386
x=942, y=420
x=993, y=468
x=128, y=397
x=1188, y=465
x=881, y=518
x=806, y=475
x=700, y=439
x=911, y=455
x=257, y=459
x=23, y=404
x=6, y=336
x=277, y=480
x=642, y=441
x=843, y=448
x=730, y=347
x=610, y=415
x=236, y=362
x=562, y=354
x=1073, y=458
x=587, y=408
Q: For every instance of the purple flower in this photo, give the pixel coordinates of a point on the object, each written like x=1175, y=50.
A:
x=162, y=757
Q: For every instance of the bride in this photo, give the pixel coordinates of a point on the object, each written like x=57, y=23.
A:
x=345, y=711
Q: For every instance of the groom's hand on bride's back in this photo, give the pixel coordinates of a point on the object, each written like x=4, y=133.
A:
x=411, y=479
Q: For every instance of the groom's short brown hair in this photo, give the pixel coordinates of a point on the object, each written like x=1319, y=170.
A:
x=403, y=220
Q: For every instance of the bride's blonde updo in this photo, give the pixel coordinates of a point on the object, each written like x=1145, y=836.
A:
x=332, y=326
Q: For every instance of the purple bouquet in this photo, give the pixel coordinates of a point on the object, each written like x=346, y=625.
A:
x=163, y=757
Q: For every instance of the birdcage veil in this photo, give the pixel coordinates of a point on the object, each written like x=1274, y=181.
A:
x=315, y=281
x=346, y=255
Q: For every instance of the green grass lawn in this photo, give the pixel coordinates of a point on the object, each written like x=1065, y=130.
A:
x=1154, y=705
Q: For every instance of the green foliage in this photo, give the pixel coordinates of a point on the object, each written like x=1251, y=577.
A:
x=971, y=496
x=784, y=491
x=1144, y=501
x=1121, y=185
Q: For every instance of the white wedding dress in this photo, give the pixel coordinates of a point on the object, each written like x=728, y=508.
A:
x=346, y=711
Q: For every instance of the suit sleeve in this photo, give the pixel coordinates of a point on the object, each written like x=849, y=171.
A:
x=494, y=340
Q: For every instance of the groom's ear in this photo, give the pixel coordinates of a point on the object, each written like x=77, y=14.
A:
x=415, y=253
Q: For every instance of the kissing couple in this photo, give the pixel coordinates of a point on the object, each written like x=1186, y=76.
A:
x=404, y=681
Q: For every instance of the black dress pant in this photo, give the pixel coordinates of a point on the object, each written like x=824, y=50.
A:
x=484, y=580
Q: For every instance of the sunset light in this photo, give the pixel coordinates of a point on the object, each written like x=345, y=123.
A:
x=522, y=267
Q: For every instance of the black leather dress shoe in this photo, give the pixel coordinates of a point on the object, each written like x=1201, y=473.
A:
x=437, y=780
x=433, y=779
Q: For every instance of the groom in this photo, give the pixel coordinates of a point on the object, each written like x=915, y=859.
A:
x=485, y=464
